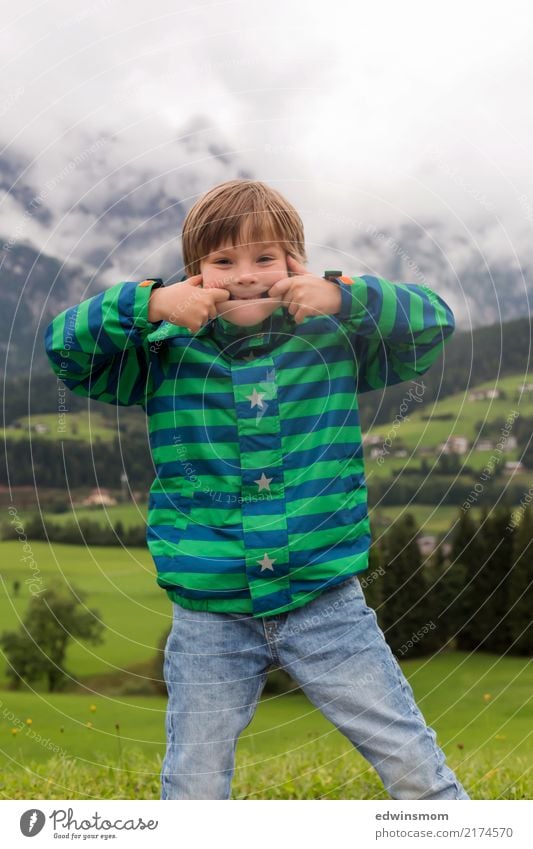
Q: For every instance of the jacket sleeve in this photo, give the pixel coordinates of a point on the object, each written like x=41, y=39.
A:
x=99, y=348
x=397, y=330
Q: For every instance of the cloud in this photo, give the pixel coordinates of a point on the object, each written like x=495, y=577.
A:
x=383, y=113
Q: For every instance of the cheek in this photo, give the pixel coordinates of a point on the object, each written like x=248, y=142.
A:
x=208, y=278
x=213, y=283
x=213, y=277
x=279, y=273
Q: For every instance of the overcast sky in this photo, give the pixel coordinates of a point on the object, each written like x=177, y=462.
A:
x=379, y=112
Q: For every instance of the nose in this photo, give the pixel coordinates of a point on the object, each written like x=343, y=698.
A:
x=246, y=277
x=245, y=281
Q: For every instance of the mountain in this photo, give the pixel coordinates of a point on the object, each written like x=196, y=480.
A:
x=127, y=214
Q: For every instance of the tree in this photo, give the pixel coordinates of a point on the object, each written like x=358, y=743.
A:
x=404, y=589
x=487, y=587
x=464, y=560
x=520, y=597
x=38, y=649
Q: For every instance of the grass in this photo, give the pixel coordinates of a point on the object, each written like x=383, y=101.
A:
x=414, y=431
x=314, y=774
x=75, y=426
x=119, y=582
x=131, y=515
x=478, y=705
x=430, y=518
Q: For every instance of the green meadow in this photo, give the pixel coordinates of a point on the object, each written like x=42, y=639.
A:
x=68, y=745
x=77, y=425
x=72, y=748
x=120, y=584
x=421, y=427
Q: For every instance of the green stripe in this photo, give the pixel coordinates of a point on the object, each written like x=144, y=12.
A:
x=387, y=317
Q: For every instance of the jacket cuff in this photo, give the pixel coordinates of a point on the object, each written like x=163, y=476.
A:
x=351, y=306
x=141, y=296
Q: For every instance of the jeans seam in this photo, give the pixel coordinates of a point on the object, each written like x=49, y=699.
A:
x=410, y=700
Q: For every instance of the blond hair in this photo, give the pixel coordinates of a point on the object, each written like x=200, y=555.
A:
x=240, y=212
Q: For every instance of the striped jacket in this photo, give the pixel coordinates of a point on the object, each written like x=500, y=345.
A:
x=259, y=501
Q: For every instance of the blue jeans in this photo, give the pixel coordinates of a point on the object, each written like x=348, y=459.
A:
x=215, y=668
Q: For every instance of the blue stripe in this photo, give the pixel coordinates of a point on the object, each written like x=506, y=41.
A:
x=306, y=558
x=371, y=314
x=263, y=606
x=126, y=307
x=318, y=586
x=69, y=330
x=329, y=419
x=296, y=460
x=201, y=594
x=315, y=522
x=401, y=328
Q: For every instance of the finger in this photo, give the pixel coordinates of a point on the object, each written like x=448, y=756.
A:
x=195, y=280
x=294, y=265
x=219, y=294
x=279, y=289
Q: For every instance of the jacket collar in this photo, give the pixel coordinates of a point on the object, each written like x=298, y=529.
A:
x=231, y=338
x=264, y=335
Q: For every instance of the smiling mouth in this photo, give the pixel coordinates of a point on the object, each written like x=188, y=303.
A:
x=251, y=298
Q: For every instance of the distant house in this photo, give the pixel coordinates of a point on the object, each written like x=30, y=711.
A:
x=482, y=394
x=99, y=497
x=512, y=466
x=40, y=428
x=525, y=387
x=373, y=439
x=454, y=445
x=426, y=544
x=484, y=445
x=504, y=444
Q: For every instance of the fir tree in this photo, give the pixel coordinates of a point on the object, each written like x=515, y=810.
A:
x=520, y=592
x=404, y=589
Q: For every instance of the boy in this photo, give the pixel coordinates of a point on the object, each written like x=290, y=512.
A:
x=248, y=371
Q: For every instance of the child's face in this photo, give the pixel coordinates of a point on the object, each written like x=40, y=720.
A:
x=246, y=271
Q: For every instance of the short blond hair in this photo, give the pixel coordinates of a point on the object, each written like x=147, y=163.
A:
x=240, y=212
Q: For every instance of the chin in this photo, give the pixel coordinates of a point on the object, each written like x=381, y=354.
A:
x=246, y=311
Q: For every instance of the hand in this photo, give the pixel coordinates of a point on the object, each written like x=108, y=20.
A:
x=304, y=294
x=186, y=304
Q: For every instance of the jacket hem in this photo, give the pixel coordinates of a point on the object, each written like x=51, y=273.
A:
x=244, y=606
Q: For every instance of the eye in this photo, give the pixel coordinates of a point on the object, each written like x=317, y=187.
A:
x=268, y=258
x=217, y=261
